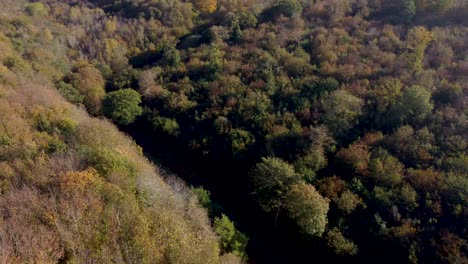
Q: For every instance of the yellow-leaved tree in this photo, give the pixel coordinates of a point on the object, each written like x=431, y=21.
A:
x=206, y=6
x=417, y=41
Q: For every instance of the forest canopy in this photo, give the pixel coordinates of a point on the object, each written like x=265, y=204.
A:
x=342, y=121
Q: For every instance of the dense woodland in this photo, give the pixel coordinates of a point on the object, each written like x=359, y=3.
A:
x=344, y=121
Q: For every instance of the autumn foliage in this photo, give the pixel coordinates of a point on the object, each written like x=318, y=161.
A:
x=206, y=6
x=339, y=124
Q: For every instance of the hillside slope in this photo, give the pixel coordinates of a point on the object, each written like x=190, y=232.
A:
x=73, y=189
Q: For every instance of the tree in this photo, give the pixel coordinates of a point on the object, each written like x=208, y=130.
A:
x=36, y=9
x=340, y=244
x=166, y=125
x=348, y=201
x=312, y=162
x=385, y=168
x=203, y=197
x=286, y=8
x=409, y=10
x=271, y=179
x=415, y=104
x=70, y=93
x=341, y=110
x=417, y=40
x=315, y=158
x=90, y=83
x=442, y=6
x=231, y=239
x=289, y=7
x=308, y=208
x=235, y=32
x=408, y=197
x=240, y=141
x=206, y=6
x=122, y=106
x=449, y=248
x=356, y=157
x=410, y=146
x=331, y=187
x=170, y=55
x=456, y=189
x=383, y=98
x=149, y=87
x=424, y=180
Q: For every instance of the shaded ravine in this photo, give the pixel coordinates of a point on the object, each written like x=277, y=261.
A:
x=228, y=185
x=267, y=242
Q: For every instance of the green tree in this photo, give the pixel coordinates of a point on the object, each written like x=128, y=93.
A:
x=205, y=201
x=240, y=140
x=36, y=9
x=235, y=33
x=415, y=104
x=271, y=179
x=340, y=244
x=385, y=168
x=69, y=92
x=122, y=106
x=166, y=125
x=456, y=189
x=308, y=208
x=231, y=240
x=348, y=201
x=384, y=98
x=409, y=10
x=442, y=6
x=408, y=197
x=286, y=8
x=312, y=162
x=341, y=110
x=289, y=7
x=386, y=94
x=170, y=55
